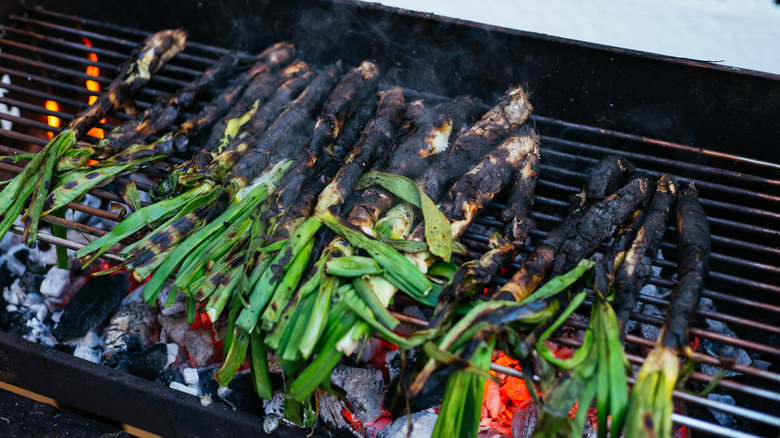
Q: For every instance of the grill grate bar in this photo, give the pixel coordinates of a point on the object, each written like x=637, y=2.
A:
x=63, y=116
x=656, y=142
x=93, y=36
x=146, y=91
x=103, y=66
x=664, y=163
x=131, y=31
x=101, y=52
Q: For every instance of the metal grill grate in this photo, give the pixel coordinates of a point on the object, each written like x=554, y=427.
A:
x=47, y=61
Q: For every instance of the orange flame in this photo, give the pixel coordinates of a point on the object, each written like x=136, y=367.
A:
x=53, y=121
x=93, y=86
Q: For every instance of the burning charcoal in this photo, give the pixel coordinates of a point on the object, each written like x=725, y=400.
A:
x=331, y=408
x=14, y=322
x=422, y=426
x=240, y=394
x=91, y=305
x=88, y=347
x=55, y=281
x=129, y=330
x=200, y=344
x=162, y=299
x=365, y=390
x=150, y=363
x=725, y=420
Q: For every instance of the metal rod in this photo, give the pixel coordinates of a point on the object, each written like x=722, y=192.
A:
x=101, y=37
x=662, y=162
x=655, y=142
x=63, y=116
x=695, y=423
x=113, y=27
x=66, y=244
x=102, y=52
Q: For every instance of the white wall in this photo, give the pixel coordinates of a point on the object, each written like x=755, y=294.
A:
x=739, y=33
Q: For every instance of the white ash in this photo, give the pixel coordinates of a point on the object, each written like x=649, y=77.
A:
x=423, y=423
x=723, y=418
x=524, y=420
x=331, y=412
x=136, y=296
x=162, y=299
x=134, y=319
x=40, y=333
x=275, y=406
x=13, y=261
x=8, y=241
x=55, y=282
x=14, y=294
x=173, y=354
x=88, y=347
x=190, y=376
x=185, y=388
x=46, y=257
x=364, y=388
x=206, y=400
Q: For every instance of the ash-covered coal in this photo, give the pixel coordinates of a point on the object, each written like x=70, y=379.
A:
x=91, y=305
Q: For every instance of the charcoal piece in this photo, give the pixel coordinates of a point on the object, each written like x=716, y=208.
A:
x=6, y=278
x=91, y=305
x=121, y=358
x=241, y=395
x=150, y=362
x=14, y=323
x=171, y=376
x=32, y=278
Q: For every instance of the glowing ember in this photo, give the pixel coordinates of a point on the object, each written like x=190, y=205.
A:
x=499, y=402
x=93, y=86
x=52, y=120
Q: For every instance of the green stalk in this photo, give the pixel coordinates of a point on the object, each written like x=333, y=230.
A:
x=259, y=359
x=263, y=290
x=62, y=233
x=283, y=292
x=234, y=359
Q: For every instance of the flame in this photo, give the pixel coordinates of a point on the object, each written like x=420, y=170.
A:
x=93, y=86
x=53, y=121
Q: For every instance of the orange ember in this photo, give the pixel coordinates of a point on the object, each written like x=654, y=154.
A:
x=500, y=401
x=53, y=121
x=93, y=86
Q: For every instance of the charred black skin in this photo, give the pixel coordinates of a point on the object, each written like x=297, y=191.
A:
x=694, y=246
x=353, y=128
x=119, y=92
x=609, y=174
x=494, y=127
x=258, y=91
x=633, y=272
x=163, y=113
x=270, y=59
x=599, y=223
x=411, y=157
x=482, y=183
x=577, y=237
x=276, y=141
x=377, y=140
x=359, y=83
x=516, y=214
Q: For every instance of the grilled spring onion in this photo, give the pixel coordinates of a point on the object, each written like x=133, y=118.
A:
x=587, y=229
x=143, y=63
x=650, y=403
x=632, y=273
x=497, y=124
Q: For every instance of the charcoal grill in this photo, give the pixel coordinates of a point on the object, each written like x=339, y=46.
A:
x=714, y=126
